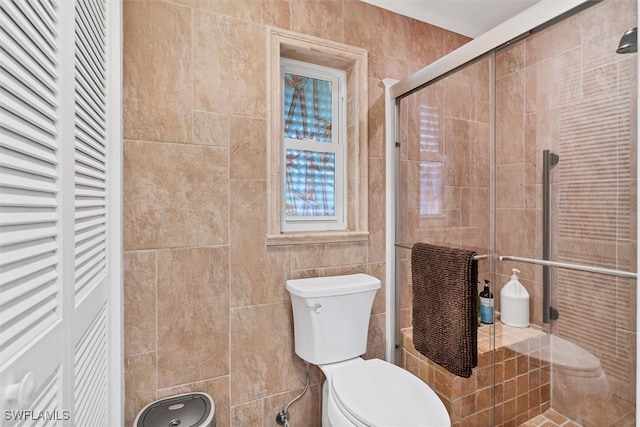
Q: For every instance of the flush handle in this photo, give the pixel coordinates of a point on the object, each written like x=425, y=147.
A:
x=316, y=307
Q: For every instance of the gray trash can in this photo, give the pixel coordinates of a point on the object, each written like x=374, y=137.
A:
x=183, y=410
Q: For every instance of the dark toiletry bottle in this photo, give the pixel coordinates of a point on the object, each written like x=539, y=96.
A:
x=479, y=317
x=486, y=304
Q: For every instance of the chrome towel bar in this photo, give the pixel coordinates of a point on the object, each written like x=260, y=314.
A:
x=408, y=246
x=579, y=267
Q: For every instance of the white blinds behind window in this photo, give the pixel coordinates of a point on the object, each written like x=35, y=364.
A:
x=90, y=152
x=28, y=178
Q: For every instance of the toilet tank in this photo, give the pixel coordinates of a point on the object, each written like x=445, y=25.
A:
x=331, y=316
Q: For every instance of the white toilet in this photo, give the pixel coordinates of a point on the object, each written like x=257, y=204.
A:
x=331, y=323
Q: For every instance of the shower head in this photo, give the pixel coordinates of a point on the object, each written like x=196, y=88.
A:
x=629, y=41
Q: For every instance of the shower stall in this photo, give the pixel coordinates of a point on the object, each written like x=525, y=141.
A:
x=522, y=145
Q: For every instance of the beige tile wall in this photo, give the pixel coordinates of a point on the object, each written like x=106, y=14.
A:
x=205, y=303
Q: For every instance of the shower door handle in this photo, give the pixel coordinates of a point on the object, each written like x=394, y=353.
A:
x=549, y=160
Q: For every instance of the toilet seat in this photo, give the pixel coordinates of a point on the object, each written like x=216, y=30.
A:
x=377, y=393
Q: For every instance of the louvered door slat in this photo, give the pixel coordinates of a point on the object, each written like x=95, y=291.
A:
x=94, y=194
x=28, y=231
x=26, y=251
x=89, y=39
x=85, y=226
x=89, y=251
x=13, y=275
x=88, y=144
x=33, y=314
x=26, y=70
x=43, y=10
x=15, y=133
x=33, y=199
x=27, y=96
x=92, y=114
x=87, y=271
x=49, y=6
x=36, y=304
x=31, y=163
x=88, y=79
x=28, y=286
x=20, y=31
x=18, y=179
x=85, y=171
x=17, y=216
x=89, y=212
x=90, y=183
x=41, y=24
x=28, y=112
x=87, y=156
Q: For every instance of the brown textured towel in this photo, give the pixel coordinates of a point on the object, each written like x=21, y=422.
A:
x=445, y=318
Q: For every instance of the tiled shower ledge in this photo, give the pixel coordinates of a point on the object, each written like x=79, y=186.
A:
x=505, y=336
x=515, y=403
x=510, y=381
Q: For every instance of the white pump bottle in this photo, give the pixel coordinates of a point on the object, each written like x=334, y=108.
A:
x=514, y=303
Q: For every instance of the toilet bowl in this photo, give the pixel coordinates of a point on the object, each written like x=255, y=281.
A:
x=576, y=376
x=377, y=393
x=331, y=323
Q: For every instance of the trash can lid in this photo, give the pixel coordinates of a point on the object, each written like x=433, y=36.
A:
x=184, y=410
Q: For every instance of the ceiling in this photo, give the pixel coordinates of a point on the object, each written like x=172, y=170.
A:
x=467, y=17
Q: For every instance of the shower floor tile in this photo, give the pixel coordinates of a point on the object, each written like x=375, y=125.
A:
x=611, y=412
x=550, y=418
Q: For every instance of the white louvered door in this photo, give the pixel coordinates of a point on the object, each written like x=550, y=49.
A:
x=30, y=274
x=59, y=231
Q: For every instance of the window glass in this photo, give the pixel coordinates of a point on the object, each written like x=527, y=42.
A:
x=308, y=108
x=310, y=183
x=313, y=147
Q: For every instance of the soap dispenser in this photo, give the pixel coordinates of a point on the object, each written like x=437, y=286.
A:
x=514, y=303
x=486, y=304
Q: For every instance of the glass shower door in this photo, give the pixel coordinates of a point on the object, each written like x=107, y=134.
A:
x=566, y=92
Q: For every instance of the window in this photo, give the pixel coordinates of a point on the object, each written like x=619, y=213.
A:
x=431, y=188
x=313, y=142
x=317, y=156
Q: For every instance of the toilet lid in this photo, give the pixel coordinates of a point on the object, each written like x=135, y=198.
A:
x=378, y=393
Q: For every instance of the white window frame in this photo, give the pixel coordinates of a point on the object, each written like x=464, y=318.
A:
x=285, y=45
x=337, y=146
